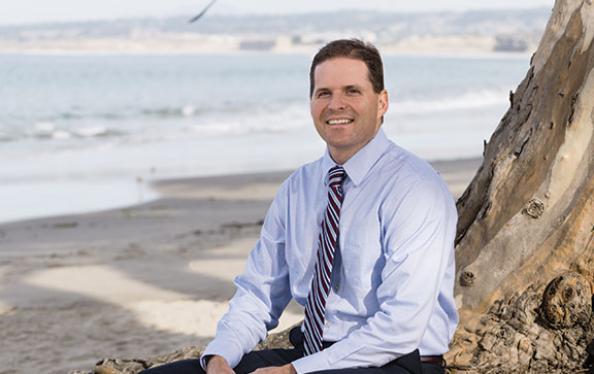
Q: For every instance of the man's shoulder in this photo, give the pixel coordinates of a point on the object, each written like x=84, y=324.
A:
x=404, y=167
x=412, y=185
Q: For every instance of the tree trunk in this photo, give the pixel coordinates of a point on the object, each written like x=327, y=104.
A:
x=527, y=217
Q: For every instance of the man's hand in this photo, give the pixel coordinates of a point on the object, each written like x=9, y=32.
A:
x=286, y=369
x=218, y=365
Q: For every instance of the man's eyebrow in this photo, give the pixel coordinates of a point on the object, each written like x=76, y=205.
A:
x=321, y=89
x=347, y=87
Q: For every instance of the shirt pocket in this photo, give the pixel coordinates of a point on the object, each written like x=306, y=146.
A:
x=358, y=261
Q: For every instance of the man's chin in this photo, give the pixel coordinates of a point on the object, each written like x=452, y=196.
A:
x=339, y=144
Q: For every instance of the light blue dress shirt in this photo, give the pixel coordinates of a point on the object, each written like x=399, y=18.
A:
x=393, y=277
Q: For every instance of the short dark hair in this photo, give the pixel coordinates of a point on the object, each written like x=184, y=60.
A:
x=355, y=49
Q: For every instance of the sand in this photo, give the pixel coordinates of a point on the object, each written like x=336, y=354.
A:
x=136, y=281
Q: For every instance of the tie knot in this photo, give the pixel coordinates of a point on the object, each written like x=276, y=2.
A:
x=336, y=176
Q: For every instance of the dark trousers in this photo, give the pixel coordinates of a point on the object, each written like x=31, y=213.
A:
x=407, y=364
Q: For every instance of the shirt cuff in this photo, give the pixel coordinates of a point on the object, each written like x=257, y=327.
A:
x=229, y=350
x=316, y=362
x=204, y=361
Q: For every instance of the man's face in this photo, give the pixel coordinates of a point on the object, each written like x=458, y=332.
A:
x=346, y=111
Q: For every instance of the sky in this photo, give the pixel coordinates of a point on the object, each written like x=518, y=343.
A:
x=33, y=11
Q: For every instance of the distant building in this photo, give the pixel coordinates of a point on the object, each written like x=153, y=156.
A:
x=257, y=45
x=510, y=43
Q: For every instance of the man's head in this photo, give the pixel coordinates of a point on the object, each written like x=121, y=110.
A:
x=347, y=94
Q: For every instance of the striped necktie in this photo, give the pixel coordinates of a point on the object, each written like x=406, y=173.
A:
x=315, y=308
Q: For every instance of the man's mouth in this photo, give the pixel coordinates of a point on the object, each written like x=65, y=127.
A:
x=339, y=121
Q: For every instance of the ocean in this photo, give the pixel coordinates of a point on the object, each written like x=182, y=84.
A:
x=89, y=132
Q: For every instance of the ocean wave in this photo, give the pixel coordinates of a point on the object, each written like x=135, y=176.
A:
x=49, y=130
x=70, y=116
x=129, y=113
x=94, y=131
x=4, y=137
x=183, y=111
x=238, y=129
x=260, y=121
x=157, y=112
x=43, y=129
x=465, y=101
x=187, y=111
x=79, y=115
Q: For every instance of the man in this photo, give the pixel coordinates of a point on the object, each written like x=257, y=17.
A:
x=362, y=238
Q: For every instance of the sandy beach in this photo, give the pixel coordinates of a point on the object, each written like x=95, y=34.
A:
x=137, y=281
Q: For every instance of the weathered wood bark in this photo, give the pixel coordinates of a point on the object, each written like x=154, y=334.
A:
x=525, y=249
x=528, y=215
x=533, y=194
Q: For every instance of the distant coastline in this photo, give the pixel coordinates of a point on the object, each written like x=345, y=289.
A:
x=435, y=33
x=462, y=46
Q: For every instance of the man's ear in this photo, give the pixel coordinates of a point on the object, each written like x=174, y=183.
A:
x=383, y=103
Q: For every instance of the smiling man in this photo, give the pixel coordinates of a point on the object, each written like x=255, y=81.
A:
x=362, y=238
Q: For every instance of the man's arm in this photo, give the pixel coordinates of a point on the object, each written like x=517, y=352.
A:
x=217, y=365
x=262, y=291
x=418, y=238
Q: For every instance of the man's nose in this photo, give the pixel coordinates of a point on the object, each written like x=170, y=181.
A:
x=336, y=102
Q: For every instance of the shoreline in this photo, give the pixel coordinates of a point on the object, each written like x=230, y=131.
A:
x=151, y=190
x=137, y=281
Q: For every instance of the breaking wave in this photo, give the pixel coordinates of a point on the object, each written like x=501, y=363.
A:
x=465, y=101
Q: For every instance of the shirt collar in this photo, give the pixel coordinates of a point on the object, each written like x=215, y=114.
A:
x=359, y=164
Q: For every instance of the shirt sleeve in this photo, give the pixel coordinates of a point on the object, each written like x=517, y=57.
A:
x=418, y=240
x=262, y=291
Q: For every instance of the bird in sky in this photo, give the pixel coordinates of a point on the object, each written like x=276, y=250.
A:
x=203, y=12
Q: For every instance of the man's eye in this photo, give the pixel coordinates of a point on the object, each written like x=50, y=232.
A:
x=323, y=94
x=353, y=91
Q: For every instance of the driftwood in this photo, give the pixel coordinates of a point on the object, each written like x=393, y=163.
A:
x=525, y=253
x=527, y=217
